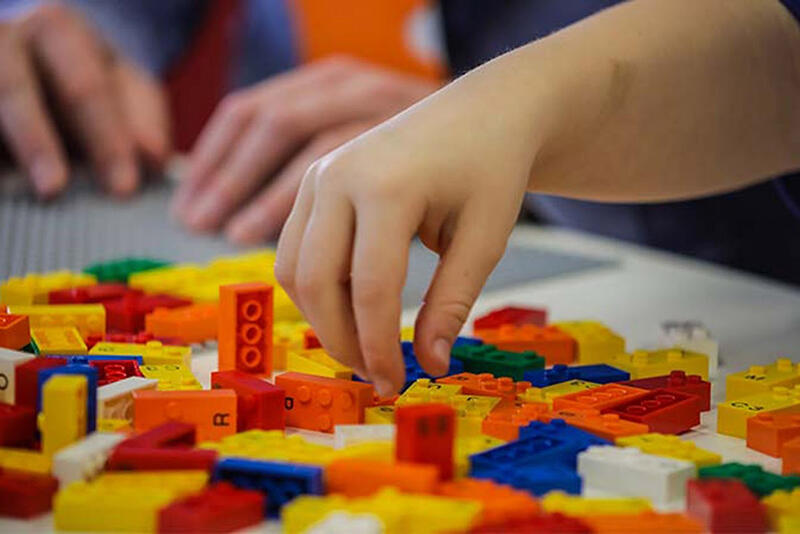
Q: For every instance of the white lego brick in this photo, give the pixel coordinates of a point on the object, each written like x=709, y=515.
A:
x=85, y=458
x=629, y=471
x=338, y=522
x=346, y=435
x=693, y=336
x=9, y=360
x=115, y=400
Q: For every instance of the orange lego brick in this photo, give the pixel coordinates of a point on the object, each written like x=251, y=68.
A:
x=767, y=432
x=486, y=384
x=549, y=341
x=359, y=477
x=506, y=419
x=607, y=425
x=501, y=504
x=213, y=412
x=14, y=331
x=245, y=328
x=319, y=402
x=192, y=324
x=644, y=522
x=790, y=454
x=599, y=398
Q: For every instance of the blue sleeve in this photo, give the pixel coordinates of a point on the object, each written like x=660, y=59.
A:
x=782, y=186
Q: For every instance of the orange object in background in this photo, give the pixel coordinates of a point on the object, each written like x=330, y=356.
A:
x=644, y=522
x=599, y=398
x=15, y=331
x=501, y=504
x=549, y=341
x=486, y=384
x=359, y=477
x=767, y=432
x=245, y=328
x=213, y=412
x=790, y=454
x=195, y=323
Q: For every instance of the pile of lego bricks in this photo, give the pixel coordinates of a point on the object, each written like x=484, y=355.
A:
x=103, y=422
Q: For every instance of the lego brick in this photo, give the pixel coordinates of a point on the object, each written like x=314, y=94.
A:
x=359, y=477
x=754, y=477
x=24, y=495
x=732, y=415
x=648, y=363
x=424, y=391
x=596, y=342
x=259, y=404
x=89, y=319
x=272, y=445
x=466, y=446
x=119, y=270
x=26, y=379
x=152, y=352
x=14, y=331
x=603, y=425
x=692, y=336
x=279, y=482
x=373, y=451
x=471, y=410
x=677, y=381
x=651, y=522
x=9, y=360
x=319, y=403
x=671, y=446
x=310, y=339
x=597, y=373
x=245, y=328
x=336, y=522
x=219, y=508
x=316, y=362
x=767, y=432
x=379, y=415
x=171, y=377
x=165, y=447
x=286, y=336
x=17, y=425
x=415, y=372
x=574, y=506
x=599, y=398
x=425, y=434
x=565, y=388
x=629, y=471
x=84, y=459
x=115, y=400
x=500, y=503
x=122, y=426
x=549, y=342
x=95, y=294
x=790, y=457
x=575, y=439
x=128, y=313
x=181, y=482
x=24, y=460
x=89, y=398
x=499, y=363
x=64, y=409
x=540, y=523
x=783, y=510
x=110, y=371
x=213, y=412
x=139, y=338
x=725, y=505
x=506, y=419
x=761, y=379
x=485, y=384
x=513, y=315
x=346, y=435
x=663, y=410
x=88, y=359
x=192, y=324
x=34, y=288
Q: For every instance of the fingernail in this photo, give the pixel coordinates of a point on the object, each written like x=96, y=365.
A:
x=204, y=213
x=383, y=387
x=441, y=351
x=47, y=175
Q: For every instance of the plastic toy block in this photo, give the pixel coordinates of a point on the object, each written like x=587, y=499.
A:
x=466, y=446
x=34, y=288
x=500, y=503
x=471, y=410
x=574, y=439
x=761, y=379
x=128, y=313
x=790, y=456
x=26, y=377
x=693, y=336
x=670, y=446
x=316, y=362
x=725, y=505
x=110, y=371
x=219, y=508
x=64, y=412
x=379, y=415
x=98, y=361
x=648, y=363
x=359, y=477
x=651, y=522
x=286, y=336
x=272, y=445
x=90, y=397
x=629, y=471
x=336, y=522
x=319, y=403
x=87, y=318
x=120, y=269
x=424, y=391
x=24, y=495
x=115, y=400
x=17, y=425
x=84, y=459
x=24, y=460
x=574, y=506
x=489, y=359
x=14, y=331
x=310, y=340
x=213, y=412
x=152, y=352
x=425, y=434
x=540, y=523
x=664, y=410
x=134, y=458
x=597, y=373
x=549, y=342
x=599, y=398
x=245, y=328
x=192, y=324
x=121, y=426
x=373, y=451
x=279, y=482
x=171, y=377
x=596, y=342
x=90, y=294
x=754, y=477
x=346, y=435
x=9, y=361
x=566, y=388
x=732, y=415
x=767, y=432
x=506, y=419
x=607, y=426
x=181, y=482
x=486, y=384
x=783, y=510
x=511, y=315
x=678, y=381
x=58, y=340
x=140, y=338
x=259, y=404
x=415, y=372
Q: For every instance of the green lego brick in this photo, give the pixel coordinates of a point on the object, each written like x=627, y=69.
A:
x=754, y=477
x=119, y=270
x=488, y=359
x=30, y=348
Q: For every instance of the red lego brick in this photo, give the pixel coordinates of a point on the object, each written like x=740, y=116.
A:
x=486, y=384
x=790, y=454
x=511, y=315
x=24, y=494
x=663, y=410
x=259, y=404
x=169, y=435
x=192, y=324
x=15, y=331
x=165, y=447
x=725, y=505
x=550, y=523
x=127, y=314
x=426, y=434
x=245, y=328
x=319, y=403
x=26, y=379
x=310, y=340
x=17, y=425
x=221, y=507
x=109, y=371
x=91, y=294
x=599, y=398
x=767, y=432
x=677, y=381
x=555, y=345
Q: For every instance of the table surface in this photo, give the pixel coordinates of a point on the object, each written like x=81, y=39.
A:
x=755, y=320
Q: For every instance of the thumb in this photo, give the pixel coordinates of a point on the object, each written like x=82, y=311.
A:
x=145, y=109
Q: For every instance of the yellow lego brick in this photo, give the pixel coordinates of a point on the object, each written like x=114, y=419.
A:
x=596, y=342
x=648, y=363
x=317, y=362
x=272, y=445
x=152, y=352
x=89, y=319
x=58, y=340
x=471, y=410
x=407, y=333
x=35, y=288
x=534, y=395
x=24, y=460
x=762, y=378
x=382, y=451
x=166, y=279
x=732, y=415
x=423, y=390
x=114, y=425
x=379, y=415
x=181, y=481
x=575, y=506
x=783, y=509
x=171, y=377
x=466, y=446
x=286, y=336
x=670, y=446
x=63, y=417
x=565, y=388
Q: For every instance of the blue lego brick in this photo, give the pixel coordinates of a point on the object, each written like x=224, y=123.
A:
x=414, y=371
x=530, y=450
x=73, y=369
x=464, y=340
x=575, y=440
x=281, y=482
x=536, y=479
x=599, y=374
x=85, y=358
